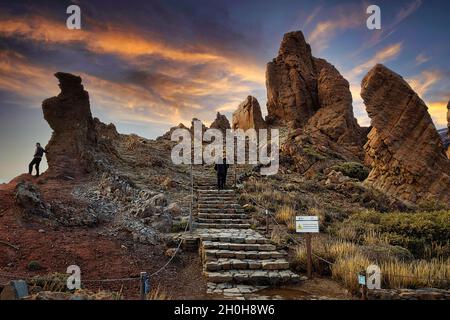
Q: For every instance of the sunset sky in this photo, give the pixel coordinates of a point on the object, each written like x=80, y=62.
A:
x=149, y=65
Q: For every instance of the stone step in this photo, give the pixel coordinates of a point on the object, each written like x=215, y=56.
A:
x=207, y=187
x=234, y=246
x=253, y=277
x=214, y=202
x=217, y=197
x=205, y=215
x=246, y=264
x=242, y=254
x=220, y=210
x=222, y=226
x=223, y=221
x=216, y=191
x=218, y=205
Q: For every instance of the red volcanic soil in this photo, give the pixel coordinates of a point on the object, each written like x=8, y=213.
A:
x=99, y=256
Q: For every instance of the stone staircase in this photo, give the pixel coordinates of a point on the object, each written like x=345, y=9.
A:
x=236, y=259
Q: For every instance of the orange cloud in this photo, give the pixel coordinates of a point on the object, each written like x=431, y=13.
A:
x=421, y=58
x=116, y=41
x=424, y=81
x=343, y=18
x=438, y=111
x=386, y=54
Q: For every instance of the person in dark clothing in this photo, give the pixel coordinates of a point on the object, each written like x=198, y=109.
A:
x=38, y=154
x=221, y=169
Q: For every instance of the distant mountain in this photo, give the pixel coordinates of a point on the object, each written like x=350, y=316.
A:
x=444, y=136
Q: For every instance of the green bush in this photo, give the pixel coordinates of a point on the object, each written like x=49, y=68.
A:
x=353, y=170
x=180, y=226
x=34, y=266
x=419, y=231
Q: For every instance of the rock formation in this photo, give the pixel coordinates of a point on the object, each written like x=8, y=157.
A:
x=291, y=81
x=168, y=134
x=404, y=149
x=448, y=128
x=309, y=93
x=221, y=122
x=248, y=115
x=69, y=115
x=76, y=135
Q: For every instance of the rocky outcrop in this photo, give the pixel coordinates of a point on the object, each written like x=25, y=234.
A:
x=291, y=81
x=448, y=128
x=404, y=149
x=309, y=93
x=168, y=134
x=248, y=115
x=28, y=197
x=69, y=115
x=221, y=122
x=76, y=135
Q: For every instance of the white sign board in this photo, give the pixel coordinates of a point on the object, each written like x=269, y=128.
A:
x=307, y=224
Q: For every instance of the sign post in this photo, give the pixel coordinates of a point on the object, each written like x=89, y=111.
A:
x=307, y=225
x=362, y=283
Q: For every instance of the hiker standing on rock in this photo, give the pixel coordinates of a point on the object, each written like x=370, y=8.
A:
x=38, y=154
x=221, y=169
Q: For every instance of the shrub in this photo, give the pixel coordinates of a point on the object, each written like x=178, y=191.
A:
x=353, y=170
x=180, y=225
x=416, y=231
x=56, y=282
x=34, y=266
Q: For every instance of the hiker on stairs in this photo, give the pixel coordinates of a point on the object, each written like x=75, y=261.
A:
x=221, y=169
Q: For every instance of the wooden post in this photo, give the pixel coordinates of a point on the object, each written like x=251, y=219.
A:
x=308, y=255
x=363, y=292
x=267, y=222
x=363, y=286
x=142, y=287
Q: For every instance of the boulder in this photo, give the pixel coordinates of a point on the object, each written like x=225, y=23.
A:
x=248, y=115
x=221, y=123
x=159, y=200
x=29, y=198
x=173, y=209
x=404, y=149
x=162, y=223
x=14, y=290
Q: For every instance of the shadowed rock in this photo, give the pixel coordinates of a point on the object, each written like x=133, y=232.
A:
x=404, y=149
x=221, y=122
x=76, y=135
x=448, y=128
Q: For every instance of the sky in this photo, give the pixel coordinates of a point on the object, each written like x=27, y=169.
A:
x=149, y=65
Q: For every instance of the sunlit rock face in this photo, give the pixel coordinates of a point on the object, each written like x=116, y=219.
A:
x=307, y=92
x=404, y=148
x=248, y=115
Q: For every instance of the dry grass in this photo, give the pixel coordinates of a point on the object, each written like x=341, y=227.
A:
x=433, y=273
x=349, y=259
x=286, y=215
x=158, y=294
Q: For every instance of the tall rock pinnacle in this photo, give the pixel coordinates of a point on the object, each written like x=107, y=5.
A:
x=307, y=92
x=404, y=148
